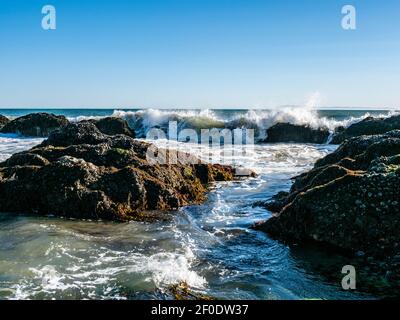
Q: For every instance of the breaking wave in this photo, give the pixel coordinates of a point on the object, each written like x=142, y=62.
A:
x=259, y=120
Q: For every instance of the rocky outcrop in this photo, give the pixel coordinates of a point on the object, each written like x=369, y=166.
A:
x=80, y=172
x=287, y=132
x=182, y=291
x=3, y=121
x=368, y=126
x=113, y=125
x=350, y=199
x=35, y=124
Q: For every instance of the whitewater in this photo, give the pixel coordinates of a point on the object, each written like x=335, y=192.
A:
x=259, y=120
x=210, y=246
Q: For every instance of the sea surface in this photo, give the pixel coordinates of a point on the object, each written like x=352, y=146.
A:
x=210, y=246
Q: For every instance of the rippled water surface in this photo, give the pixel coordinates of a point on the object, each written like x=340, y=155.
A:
x=210, y=246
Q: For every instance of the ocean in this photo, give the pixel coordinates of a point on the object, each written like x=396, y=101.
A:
x=210, y=246
x=142, y=120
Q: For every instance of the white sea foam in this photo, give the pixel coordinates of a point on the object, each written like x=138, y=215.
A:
x=258, y=158
x=12, y=143
x=167, y=268
x=102, y=267
x=209, y=246
x=260, y=120
x=209, y=249
x=263, y=119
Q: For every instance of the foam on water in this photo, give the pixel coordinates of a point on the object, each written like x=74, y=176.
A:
x=260, y=120
x=210, y=246
x=12, y=143
x=91, y=260
x=271, y=158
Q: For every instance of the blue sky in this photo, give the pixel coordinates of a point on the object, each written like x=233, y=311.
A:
x=199, y=53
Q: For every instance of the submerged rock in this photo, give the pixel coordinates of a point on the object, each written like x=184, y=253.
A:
x=368, y=126
x=287, y=132
x=35, y=124
x=81, y=172
x=349, y=200
x=3, y=121
x=182, y=291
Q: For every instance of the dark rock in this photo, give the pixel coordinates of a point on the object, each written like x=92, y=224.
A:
x=26, y=159
x=368, y=126
x=3, y=121
x=352, y=149
x=276, y=203
x=80, y=172
x=35, y=124
x=287, y=132
x=113, y=126
x=349, y=200
x=74, y=134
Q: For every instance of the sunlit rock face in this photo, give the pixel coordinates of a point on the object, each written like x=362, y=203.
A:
x=350, y=199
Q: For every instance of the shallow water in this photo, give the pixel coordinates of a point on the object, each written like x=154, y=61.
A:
x=210, y=246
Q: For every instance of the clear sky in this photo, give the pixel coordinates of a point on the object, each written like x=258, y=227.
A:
x=199, y=53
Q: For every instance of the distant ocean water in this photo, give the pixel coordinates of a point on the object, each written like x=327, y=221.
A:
x=210, y=246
